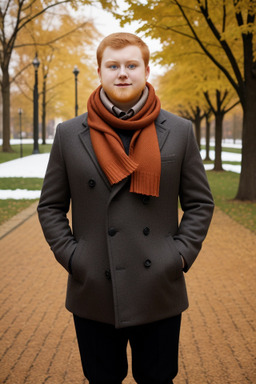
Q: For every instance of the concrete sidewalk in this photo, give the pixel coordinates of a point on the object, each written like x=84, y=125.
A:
x=38, y=344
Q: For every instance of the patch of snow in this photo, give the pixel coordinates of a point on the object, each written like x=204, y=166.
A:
x=26, y=141
x=225, y=143
x=19, y=194
x=29, y=166
x=226, y=167
x=35, y=166
x=225, y=156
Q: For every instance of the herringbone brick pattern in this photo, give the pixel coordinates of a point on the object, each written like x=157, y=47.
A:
x=218, y=343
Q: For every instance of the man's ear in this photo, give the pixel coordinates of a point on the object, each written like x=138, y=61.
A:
x=147, y=72
x=99, y=73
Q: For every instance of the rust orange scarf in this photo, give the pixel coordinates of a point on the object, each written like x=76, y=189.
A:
x=144, y=161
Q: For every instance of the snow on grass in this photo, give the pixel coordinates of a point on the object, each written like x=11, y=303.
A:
x=35, y=166
x=29, y=166
x=19, y=194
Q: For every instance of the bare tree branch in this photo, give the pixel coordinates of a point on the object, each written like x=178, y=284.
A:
x=20, y=25
x=250, y=16
x=232, y=106
x=6, y=9
x=236, y=86
x=54, y=40
x=207, y=98
x=29, y=5
x=20, y=72
x=24, y=94
x=224, y=18
x=58, y=84
x=239, y=16
x=224, y=97
x=227, y=50
x=168, y=28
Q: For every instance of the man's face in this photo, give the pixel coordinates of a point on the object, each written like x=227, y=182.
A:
x=123, y=75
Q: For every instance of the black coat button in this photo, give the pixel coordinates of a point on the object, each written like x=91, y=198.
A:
x=147, y=263
x=146, y=231
x=108, y=274
x=112, y=231
x=91, y=183
x=145, y=199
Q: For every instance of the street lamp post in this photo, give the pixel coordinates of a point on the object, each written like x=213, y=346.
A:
x=20, y=120
x=36, y=64
x=76, y=72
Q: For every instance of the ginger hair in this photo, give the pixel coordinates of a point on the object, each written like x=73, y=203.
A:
x=121, y=40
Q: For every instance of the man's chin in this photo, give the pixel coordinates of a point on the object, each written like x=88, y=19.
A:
x=123, y=95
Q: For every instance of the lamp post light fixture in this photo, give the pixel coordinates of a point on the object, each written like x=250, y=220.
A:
x=76, y=72
x=20, y=121
x=36, y=64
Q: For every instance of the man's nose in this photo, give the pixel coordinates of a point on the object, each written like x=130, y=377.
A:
x=122, y=71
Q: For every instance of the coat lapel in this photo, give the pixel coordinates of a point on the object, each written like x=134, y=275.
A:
x=84, y=136
x=161, y=131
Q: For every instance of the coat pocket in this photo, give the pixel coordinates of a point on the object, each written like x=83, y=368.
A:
x=176, y=256
x=168, y=159
x=78, y=263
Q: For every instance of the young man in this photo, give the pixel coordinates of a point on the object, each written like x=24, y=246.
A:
x=123, y=165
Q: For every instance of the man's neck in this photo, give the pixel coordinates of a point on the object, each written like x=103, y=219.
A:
x=125, y=106
x=117, y=109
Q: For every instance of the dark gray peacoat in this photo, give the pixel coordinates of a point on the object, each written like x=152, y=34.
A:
x=126, y=248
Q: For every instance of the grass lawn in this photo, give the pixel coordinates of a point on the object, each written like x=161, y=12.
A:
x=224, y=187
x=10, y=208
x=33, y=184
x=27, y=151
x=224, y=149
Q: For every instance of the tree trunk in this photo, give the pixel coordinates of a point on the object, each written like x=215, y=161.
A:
x=207, y=138
x=218, y=139
x=197, y=122
x=6, y=147
x=247, y=182
x=234, y=128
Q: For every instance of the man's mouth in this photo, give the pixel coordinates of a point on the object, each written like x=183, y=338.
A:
x=122, y=85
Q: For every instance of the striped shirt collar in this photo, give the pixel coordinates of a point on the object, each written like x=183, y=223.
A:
x=118, y=112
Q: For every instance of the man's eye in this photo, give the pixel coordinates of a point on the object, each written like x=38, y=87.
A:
x=113, y=66
x=131, y=66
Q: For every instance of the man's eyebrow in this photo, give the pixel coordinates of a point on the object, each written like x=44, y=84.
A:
x=117, y=61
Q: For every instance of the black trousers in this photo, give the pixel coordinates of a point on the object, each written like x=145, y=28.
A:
x=154, y=349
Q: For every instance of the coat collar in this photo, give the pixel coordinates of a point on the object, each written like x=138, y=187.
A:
x=161, y=130
x=84, y=134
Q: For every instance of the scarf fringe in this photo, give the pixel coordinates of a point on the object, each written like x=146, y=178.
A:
x=145, y=183
x=118, y=170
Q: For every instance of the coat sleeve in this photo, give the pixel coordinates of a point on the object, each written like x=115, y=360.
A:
x=54, y=205
x=196, y=202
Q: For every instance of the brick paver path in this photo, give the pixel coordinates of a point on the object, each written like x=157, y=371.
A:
x=218, y=345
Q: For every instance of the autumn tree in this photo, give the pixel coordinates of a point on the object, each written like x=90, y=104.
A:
x=221, y=99
x=15, y=15
x=219, y=108
x=225, y=26
x=199, y=88
x=178, y=93
x=59, y=47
